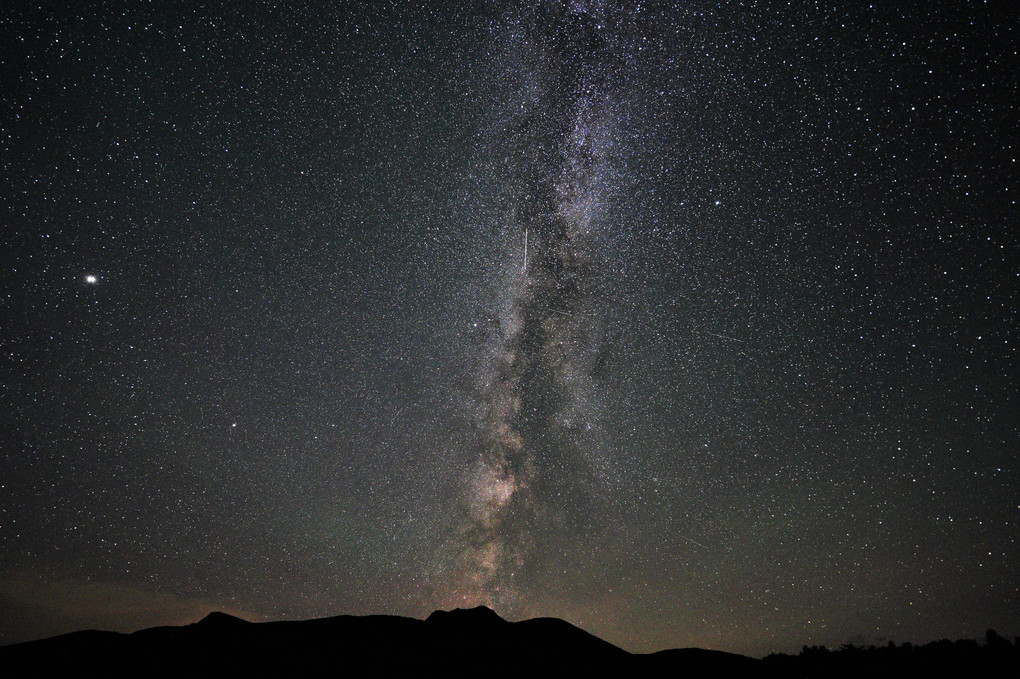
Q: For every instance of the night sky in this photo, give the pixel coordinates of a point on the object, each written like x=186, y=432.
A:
x=694, y=323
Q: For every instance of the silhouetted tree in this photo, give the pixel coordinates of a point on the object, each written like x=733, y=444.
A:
x=994, y=642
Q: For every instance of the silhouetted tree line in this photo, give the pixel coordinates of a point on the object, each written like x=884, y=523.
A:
x=995, y=657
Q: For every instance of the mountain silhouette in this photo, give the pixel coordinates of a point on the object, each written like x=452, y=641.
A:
x=461, y=642
x=449, y=643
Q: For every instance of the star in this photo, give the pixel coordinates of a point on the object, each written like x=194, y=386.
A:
x=91, y=279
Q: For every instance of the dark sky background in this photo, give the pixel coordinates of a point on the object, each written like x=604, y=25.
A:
x=694, y=324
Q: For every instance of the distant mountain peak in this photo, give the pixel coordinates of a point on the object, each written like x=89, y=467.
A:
x=220, y=619
x=482, y=615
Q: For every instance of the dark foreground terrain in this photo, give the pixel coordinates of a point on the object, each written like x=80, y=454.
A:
x=456, y=643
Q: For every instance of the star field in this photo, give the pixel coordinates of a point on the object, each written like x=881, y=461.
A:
x=694, y=324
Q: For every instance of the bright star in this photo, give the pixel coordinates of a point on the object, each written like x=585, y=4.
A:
x=91, y=280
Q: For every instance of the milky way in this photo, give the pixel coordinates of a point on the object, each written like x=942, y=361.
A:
x=538, y=459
